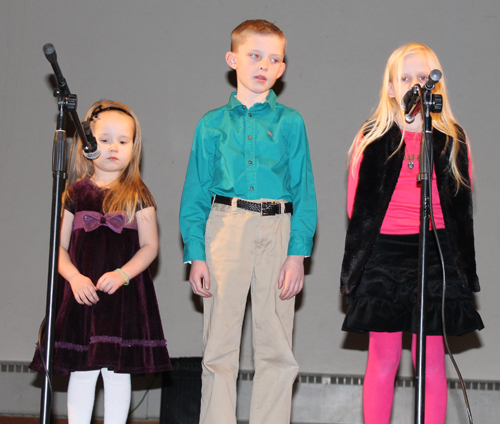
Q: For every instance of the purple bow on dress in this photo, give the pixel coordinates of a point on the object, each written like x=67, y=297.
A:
x=90, y=220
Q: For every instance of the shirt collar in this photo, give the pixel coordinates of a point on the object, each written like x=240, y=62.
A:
x=270, y=100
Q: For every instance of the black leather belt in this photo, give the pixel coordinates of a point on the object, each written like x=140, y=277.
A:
x=264, y=208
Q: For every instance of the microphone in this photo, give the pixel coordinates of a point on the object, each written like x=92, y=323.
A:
x=91, y=150
x=411, y=102
x=51, y=55
x=434, y=77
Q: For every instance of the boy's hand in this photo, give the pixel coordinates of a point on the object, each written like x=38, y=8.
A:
x=83, y=290
x=291, y=277
x=199, y=276
x=110, y=282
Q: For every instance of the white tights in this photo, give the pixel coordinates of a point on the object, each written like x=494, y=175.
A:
x=81, y=396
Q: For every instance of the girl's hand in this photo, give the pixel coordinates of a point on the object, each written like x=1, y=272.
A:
x=110, y=282
x=83, y=290
x=82, y=287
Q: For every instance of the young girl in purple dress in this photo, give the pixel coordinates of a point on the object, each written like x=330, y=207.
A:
x=108, y=320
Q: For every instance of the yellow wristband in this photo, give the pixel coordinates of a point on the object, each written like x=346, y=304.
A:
x=124, y=274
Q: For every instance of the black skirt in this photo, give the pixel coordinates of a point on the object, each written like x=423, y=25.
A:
x=386, y=298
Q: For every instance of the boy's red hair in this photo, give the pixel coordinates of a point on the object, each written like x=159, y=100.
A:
x=257, y=26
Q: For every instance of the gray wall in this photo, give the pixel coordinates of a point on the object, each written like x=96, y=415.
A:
x=165, y=59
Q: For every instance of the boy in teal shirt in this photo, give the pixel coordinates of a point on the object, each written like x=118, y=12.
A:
x=247, y=218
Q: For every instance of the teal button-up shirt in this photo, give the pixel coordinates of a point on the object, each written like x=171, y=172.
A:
x=256, y=153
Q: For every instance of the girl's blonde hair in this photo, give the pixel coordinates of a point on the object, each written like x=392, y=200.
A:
x=389, y=109
x=128, y=191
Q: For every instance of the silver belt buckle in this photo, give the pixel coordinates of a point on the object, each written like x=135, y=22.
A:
x=267, y=208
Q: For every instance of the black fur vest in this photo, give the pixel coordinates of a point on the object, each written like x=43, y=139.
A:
x=377, y=181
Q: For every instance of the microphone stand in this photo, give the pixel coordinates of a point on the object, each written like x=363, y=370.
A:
x=430, y=103
x=66, y=102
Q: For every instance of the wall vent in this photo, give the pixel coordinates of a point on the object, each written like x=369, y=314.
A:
x=348, y=380
x=15, y=367
x=357, y=380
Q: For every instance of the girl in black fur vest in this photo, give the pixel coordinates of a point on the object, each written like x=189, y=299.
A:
x=380, y=266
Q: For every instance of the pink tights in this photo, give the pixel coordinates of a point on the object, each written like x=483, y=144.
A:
x=384, y=354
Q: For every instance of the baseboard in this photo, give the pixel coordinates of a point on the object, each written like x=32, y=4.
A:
x=317, y=398
x=5, y=419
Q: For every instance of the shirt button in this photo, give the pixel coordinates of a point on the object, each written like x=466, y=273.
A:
x=244, y=107
x=251, y=188
x=249, y=137
x=249, y=114
x=249, y=162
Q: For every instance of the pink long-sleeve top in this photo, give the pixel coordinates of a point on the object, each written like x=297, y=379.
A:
x=403, y=213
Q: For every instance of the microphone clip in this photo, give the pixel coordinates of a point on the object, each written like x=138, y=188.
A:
x=411, y=102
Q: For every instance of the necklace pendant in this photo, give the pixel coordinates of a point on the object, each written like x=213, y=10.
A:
x=411, y=164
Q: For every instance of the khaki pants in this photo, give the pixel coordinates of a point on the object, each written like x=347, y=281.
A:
x=245, y=252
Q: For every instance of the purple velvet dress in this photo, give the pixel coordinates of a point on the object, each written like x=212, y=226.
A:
x=121, y=331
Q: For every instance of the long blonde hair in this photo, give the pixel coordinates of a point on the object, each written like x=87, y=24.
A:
x=389, y=109
x=128, y=191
